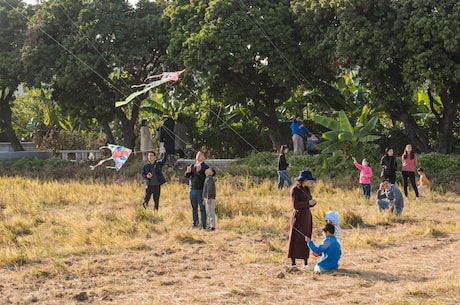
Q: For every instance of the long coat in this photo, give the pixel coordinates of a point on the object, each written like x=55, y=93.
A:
x=146, y=139
x=301, y=222
x=389, y=167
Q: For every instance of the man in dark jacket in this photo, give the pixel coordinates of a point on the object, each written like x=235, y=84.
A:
x=154, y=178
x=196, y=175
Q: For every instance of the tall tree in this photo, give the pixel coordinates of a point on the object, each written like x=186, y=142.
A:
x=246, y=52
x=12, y=28
x=90, y=52
x=399, y=47
x=432, y=45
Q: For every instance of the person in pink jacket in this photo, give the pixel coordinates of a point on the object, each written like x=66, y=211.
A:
x=409, y=164
x=364, y=176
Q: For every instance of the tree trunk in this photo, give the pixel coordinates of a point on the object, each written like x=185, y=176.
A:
x=417, y=136
x=450, y=102
x=275, y=135
x=108, y=132
x=129, y=135
x=5, y=122
x=272, y=123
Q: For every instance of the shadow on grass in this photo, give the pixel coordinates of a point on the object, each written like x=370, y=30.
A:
x=373, y=276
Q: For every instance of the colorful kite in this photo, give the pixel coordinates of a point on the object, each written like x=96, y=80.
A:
x=164, y=78
x=119, y=154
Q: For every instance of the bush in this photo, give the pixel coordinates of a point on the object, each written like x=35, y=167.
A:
x=442, y=170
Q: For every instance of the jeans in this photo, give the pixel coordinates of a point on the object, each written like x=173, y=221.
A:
x=366, y=190
x=196, y=199
x=384, y=205
x=283, y=176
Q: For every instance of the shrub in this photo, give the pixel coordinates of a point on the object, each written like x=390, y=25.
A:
x=442, y=170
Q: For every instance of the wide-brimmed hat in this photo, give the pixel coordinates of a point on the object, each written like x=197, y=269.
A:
x=305, y=175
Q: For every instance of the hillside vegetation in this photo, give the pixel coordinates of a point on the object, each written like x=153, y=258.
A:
x=338, y=170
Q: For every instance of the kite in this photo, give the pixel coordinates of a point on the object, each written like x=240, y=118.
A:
x=119, y=154
x=163, y=78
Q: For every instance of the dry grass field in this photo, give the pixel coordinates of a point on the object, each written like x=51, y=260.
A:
x=90, y=243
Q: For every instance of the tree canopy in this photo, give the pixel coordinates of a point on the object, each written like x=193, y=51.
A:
x=255, y=61
x=13, y=24
x=90, y=53
x=245, y=53
x=399, y=47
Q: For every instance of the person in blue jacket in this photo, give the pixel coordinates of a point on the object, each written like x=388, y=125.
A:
x=329, y=249
x=154, y=178
x=298, y=130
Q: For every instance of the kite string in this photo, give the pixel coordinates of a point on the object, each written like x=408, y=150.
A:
x=295, y=72
x=118, y=90
x=66, y=49
x=90, y=42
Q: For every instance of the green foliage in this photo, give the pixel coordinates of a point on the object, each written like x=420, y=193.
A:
x=343, y=136
x=244, y=65
x=12, y=28
x=442, y=170
x=242, y=54
x=123, y=47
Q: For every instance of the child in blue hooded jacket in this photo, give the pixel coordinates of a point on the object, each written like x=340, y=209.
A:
x=329, y=249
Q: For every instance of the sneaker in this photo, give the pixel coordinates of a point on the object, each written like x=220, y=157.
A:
x=211, y=229
x=308, y=267
x=144, y=205
x=416, y=199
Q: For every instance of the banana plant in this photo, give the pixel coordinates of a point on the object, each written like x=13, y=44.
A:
x=345, y=137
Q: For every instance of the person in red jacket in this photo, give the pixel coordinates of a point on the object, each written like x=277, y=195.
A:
x=409, y=164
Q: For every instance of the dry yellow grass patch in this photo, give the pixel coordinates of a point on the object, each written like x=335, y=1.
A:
x=67, y=243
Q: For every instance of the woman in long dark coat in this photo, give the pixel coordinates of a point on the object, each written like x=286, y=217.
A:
x=301, y=221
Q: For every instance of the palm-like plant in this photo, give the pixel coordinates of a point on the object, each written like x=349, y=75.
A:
x=343, y=136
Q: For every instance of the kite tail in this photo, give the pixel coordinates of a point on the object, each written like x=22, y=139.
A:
x=92, y=167
x=153, y=76
x=138, y=86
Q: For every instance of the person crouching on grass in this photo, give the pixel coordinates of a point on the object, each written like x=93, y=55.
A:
x=329, y=249
x=209, y=197
x=389, y=197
